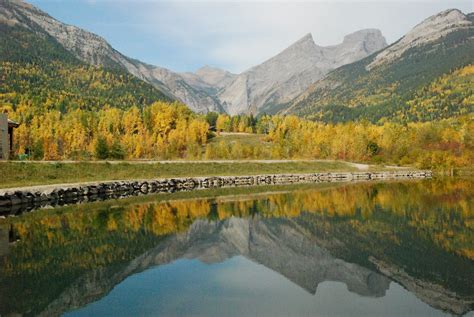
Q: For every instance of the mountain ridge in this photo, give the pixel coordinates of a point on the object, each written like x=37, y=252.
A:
x=427, y=31
x=38, y=74
x=285, y=75
x=380, y=86
x=374, y=81
x=208, y=89
x=95, y=50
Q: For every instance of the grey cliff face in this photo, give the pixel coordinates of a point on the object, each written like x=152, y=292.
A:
x=283, y=77
x=195, y=97
x=209, y=78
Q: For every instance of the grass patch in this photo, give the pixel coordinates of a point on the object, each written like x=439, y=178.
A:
x=15, y=174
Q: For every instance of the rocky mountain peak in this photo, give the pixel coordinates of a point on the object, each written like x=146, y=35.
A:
x=305, y=39
x=443, y=22
x=444, y=17
x=208, y=78
x=305, y=43
x=430, y=30
x=357, y=45
x=286, y=75
x=208, y=69
x=86, y=46
x=10, y=12
x=363, y=35
x=210, y=73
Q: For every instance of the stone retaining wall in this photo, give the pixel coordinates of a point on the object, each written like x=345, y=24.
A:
x=28, y=198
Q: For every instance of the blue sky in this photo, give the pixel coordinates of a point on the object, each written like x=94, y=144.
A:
x=234, y=35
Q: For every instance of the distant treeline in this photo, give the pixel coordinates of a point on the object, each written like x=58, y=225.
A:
x=171, y=131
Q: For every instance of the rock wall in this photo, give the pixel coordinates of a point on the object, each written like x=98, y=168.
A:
x=14, y=201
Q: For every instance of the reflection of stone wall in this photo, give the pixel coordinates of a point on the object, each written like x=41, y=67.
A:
x=12, y=201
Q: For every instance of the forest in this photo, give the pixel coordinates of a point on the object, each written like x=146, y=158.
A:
x=166, y=130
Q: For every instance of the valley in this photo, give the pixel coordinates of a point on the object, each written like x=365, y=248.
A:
x=77, y=98
x=236, y=158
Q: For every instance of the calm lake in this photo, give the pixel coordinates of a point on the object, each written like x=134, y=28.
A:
x=361, y=249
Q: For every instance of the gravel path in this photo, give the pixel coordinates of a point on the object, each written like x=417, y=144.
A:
x=357, y=165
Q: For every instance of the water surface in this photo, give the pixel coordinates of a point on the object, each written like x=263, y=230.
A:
x=363, y=249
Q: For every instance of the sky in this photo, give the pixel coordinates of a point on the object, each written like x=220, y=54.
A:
x=184, y=35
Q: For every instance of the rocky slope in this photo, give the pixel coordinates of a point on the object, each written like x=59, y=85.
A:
x=210, y=78
x=380, y=87
x=430, y=30
x=37, y=71
x=265, y=87
x=95, y=50
x=196, y=97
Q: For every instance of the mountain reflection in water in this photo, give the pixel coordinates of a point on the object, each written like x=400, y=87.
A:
x=130, y=258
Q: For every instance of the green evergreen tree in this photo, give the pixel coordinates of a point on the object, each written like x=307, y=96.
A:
x=101, y=149
x=116, y=151
x=211, y=118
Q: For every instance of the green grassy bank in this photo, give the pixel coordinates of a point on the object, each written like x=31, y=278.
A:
x=16, y=174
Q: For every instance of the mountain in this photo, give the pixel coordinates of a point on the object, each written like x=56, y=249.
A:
x=211, y=81
x=268, y=86
x=425, y=75
x=196, y=97
x=36, y=70
x=263, y=88
x=209, y=78
x=94, y=50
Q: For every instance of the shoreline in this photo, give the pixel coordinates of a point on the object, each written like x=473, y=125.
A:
x=16, y=174
x=33, y=197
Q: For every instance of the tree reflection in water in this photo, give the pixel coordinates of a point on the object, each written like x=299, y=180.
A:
x=419, y=234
